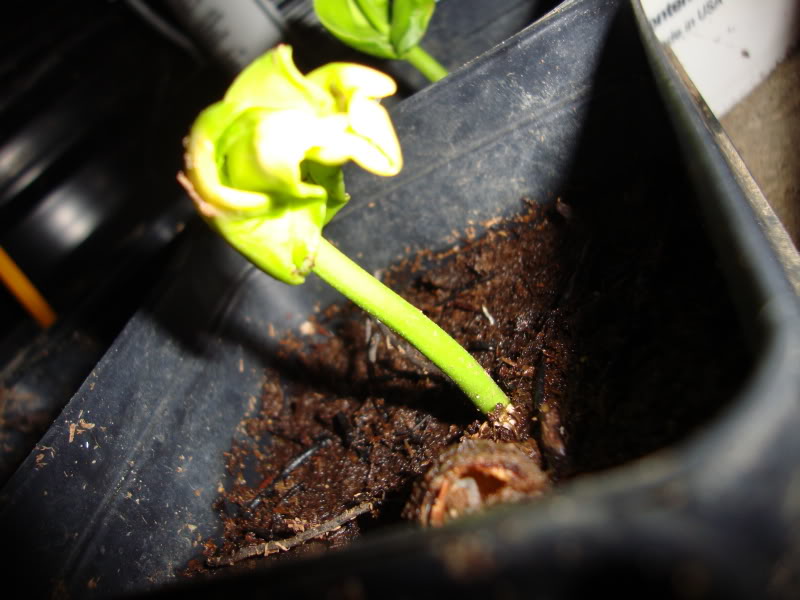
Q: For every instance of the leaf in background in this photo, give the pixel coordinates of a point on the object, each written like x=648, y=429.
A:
x=362, y=29
x=409, y=22
x=383, y=28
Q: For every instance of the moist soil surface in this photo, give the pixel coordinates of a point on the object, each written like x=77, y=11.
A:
x=611, y=332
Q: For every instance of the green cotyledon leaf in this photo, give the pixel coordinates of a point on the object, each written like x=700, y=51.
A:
x=263, y=165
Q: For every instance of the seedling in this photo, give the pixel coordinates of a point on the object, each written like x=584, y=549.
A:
x=383, y=28
x=263, y=167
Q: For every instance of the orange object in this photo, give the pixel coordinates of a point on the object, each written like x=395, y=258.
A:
x=25, y=292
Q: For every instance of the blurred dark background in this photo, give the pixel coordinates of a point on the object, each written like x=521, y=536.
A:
x=94, y=102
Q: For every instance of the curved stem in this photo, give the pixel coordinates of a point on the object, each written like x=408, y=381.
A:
x=408, y=321
x=425, y=64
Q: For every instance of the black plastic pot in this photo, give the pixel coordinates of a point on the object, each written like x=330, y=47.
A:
x=120, y=505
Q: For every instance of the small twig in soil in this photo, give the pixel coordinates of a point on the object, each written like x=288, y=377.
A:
x=368, y=330
x=293, y=464
x=288, y=494
x=408, y=351
x=372, y=351
x=267, y=548
x=481, y=346
x=343, y=427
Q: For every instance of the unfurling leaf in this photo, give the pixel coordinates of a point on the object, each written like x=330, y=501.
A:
x=263, y=165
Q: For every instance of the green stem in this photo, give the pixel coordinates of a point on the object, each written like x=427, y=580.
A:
x=425, y=63
x=408, y=321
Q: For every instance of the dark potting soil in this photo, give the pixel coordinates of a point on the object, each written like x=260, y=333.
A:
x=611, y=331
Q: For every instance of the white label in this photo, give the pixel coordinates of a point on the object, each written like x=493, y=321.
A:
x=727, y=47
